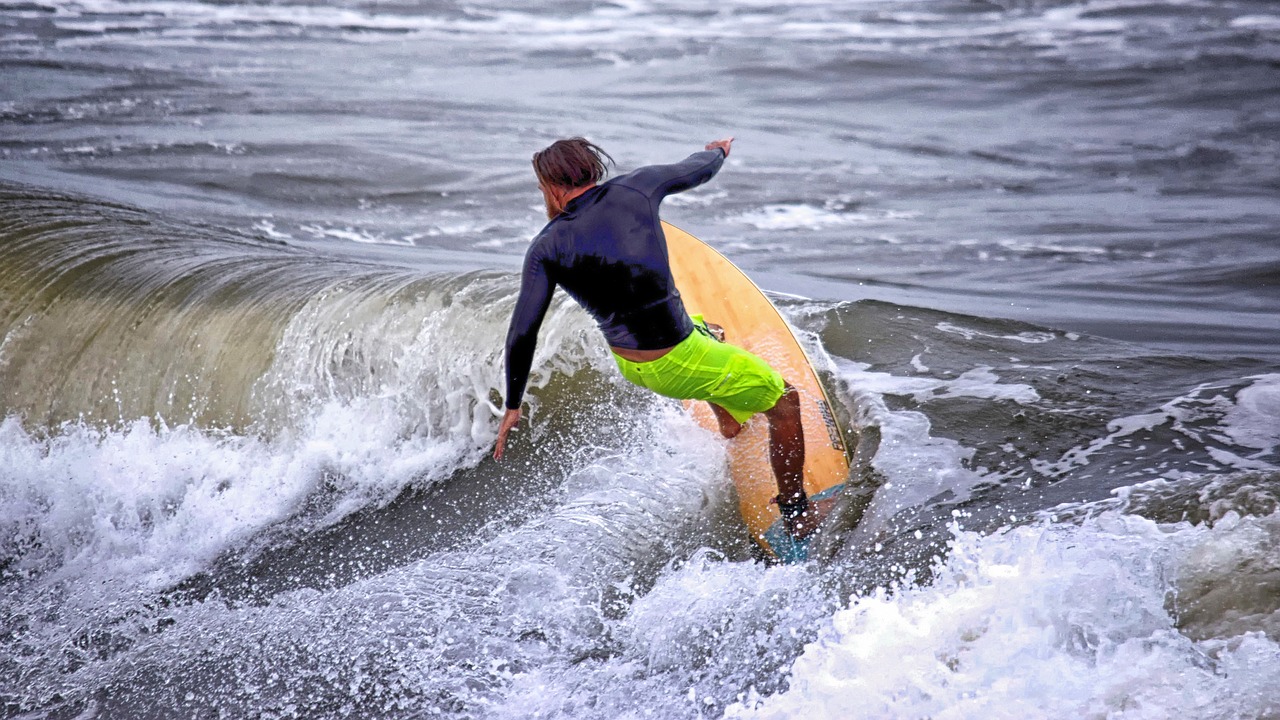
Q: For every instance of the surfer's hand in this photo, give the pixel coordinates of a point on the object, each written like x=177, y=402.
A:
x=721, y=144
x=509, y=420
x=716, y=331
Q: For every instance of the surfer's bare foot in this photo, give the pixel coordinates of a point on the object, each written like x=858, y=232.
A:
x=729, y=427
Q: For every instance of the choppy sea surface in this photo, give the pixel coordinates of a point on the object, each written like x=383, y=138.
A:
x=256, y=264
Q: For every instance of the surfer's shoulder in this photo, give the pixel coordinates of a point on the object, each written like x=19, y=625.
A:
x=633, y=181
x=546, y=245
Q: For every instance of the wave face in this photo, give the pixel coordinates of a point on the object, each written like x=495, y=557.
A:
x=283, y=506
x=111, y=315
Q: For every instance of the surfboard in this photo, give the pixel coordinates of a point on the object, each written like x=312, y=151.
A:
x=715, y=288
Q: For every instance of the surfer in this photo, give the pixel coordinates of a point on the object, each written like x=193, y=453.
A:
x=605, y=247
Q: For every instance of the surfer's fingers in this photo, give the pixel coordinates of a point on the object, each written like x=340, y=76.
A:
x=724, y=144
x=509, y=421
x=501, y=445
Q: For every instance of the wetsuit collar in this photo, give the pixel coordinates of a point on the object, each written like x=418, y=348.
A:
x=577, y=200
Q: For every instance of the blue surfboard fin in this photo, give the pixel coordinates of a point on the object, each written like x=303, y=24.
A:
x=788, y=549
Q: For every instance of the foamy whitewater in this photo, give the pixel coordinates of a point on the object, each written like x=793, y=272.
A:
x=256, y=266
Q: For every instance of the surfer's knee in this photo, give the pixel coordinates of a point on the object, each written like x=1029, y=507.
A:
x=729, y=425
x=787, y=404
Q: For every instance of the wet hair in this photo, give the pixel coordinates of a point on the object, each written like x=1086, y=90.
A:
x=571, y=163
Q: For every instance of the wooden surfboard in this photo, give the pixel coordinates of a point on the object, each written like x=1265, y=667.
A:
x=713, y=287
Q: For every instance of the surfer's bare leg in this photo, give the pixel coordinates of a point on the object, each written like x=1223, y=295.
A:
x=786, y=456
x=728, y=426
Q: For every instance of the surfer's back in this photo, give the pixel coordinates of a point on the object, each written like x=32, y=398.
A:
x=607, y=250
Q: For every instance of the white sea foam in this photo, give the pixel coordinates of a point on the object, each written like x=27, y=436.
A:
x=1227, y=458
x=462, y=621
x=700, y=197
x=268, y=228
x=1033, y=337
x=1206, y=415
x=1260, y=22
x=979, y=382
x=812, y=217
x=352, y=234
x=1023, y=247
x=1254, y=420
x=139, y=508
x=1048, y=622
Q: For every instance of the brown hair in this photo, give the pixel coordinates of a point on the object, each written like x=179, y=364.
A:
x=571, y=163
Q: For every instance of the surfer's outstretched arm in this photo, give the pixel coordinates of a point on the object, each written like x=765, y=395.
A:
x=659, y=181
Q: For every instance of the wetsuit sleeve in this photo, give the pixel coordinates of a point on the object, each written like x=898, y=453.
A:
x=658, y=181
x=536, y=289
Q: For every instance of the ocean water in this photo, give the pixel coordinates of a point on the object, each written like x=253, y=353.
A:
x=256, y=265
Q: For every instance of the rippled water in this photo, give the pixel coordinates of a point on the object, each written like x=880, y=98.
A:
x=256, y=263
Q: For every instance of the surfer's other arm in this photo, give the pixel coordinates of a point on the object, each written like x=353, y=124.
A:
x=536, y=289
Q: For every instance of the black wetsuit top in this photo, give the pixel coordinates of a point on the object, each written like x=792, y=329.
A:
x=608, y=252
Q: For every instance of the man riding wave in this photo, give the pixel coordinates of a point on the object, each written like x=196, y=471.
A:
x=605, y=246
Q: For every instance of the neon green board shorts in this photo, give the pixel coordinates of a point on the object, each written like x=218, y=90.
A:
x=703, y=368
